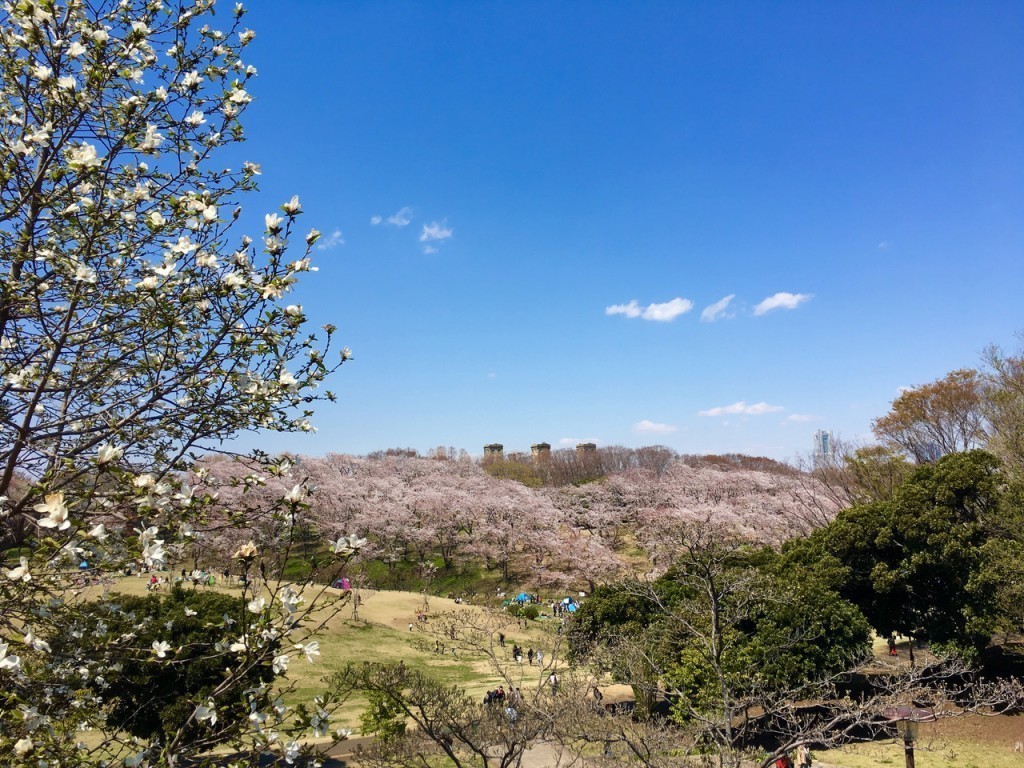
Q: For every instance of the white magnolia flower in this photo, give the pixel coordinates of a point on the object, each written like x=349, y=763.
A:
x=233, y=280
x=22, y=377
x=293, y=310
x=8, y=661
x=148, y=283
x=313, y=236
x=183, y=247
x=347, y=545
x=98, y=532
x=191, y=81
x=85, y=274
x=272, y=291
x=67, y=83
x=154, y=554
x=76, y=49
x=140, y=28
x=238, y=646
x=160, y=648
x=206, y=713
x=34, y=642
x=196, y=119
x=20, y=572
x=256, y=605
x=42, y=73
x=281, y=664
x=320, y=722
x=23, y=746
x=56, y=512
x=144, y=481
x=100, y=36
x=190, y=612
x=273, y=222
x=206, y=259
x=152, y=139
x=292, y=207
x=210, y=213
x=290, y=600
x=310, y=650
x=165, y=270
x=288, y=381
x=291, y=751
x=108, y=452
x=41, y=136
x=246, y=552
x=295, y=494
x=83, y=157
x=155, y=220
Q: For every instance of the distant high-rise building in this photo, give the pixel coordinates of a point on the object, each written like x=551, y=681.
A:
x=823, y=445
x=541, y=451
x=494, y=452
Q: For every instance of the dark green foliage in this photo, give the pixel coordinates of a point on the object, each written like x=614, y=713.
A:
x=151, y=696
x=921, y=563
x=724, y=620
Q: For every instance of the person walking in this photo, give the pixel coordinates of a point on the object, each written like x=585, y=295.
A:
x=803, y=756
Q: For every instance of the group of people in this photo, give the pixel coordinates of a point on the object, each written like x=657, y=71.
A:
x=803, y=758
x=559, y=610
x=198, y=577
x=498, y=696
x=517, y=654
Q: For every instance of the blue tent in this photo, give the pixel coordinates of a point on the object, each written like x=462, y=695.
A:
x=523, y=597
x=572, y=607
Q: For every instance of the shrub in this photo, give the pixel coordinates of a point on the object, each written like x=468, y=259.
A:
x=155, y=696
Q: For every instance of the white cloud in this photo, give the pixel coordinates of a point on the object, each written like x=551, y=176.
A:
x=754, y=409
x=400, y=218
x=435, y=230
x=781, y=300
x=884, y=245
x=717, y=310
x=648, y=427
x=492, y=375
x=333, y=240
x=662, y=313
x=800, y=417
x=629, y=310
x=429, y=249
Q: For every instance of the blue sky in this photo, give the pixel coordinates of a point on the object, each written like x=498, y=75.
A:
x=533, y=164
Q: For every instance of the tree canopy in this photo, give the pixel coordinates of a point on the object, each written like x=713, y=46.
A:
x=916, y=563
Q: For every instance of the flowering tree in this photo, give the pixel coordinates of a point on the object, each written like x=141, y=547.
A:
x=134, y=335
